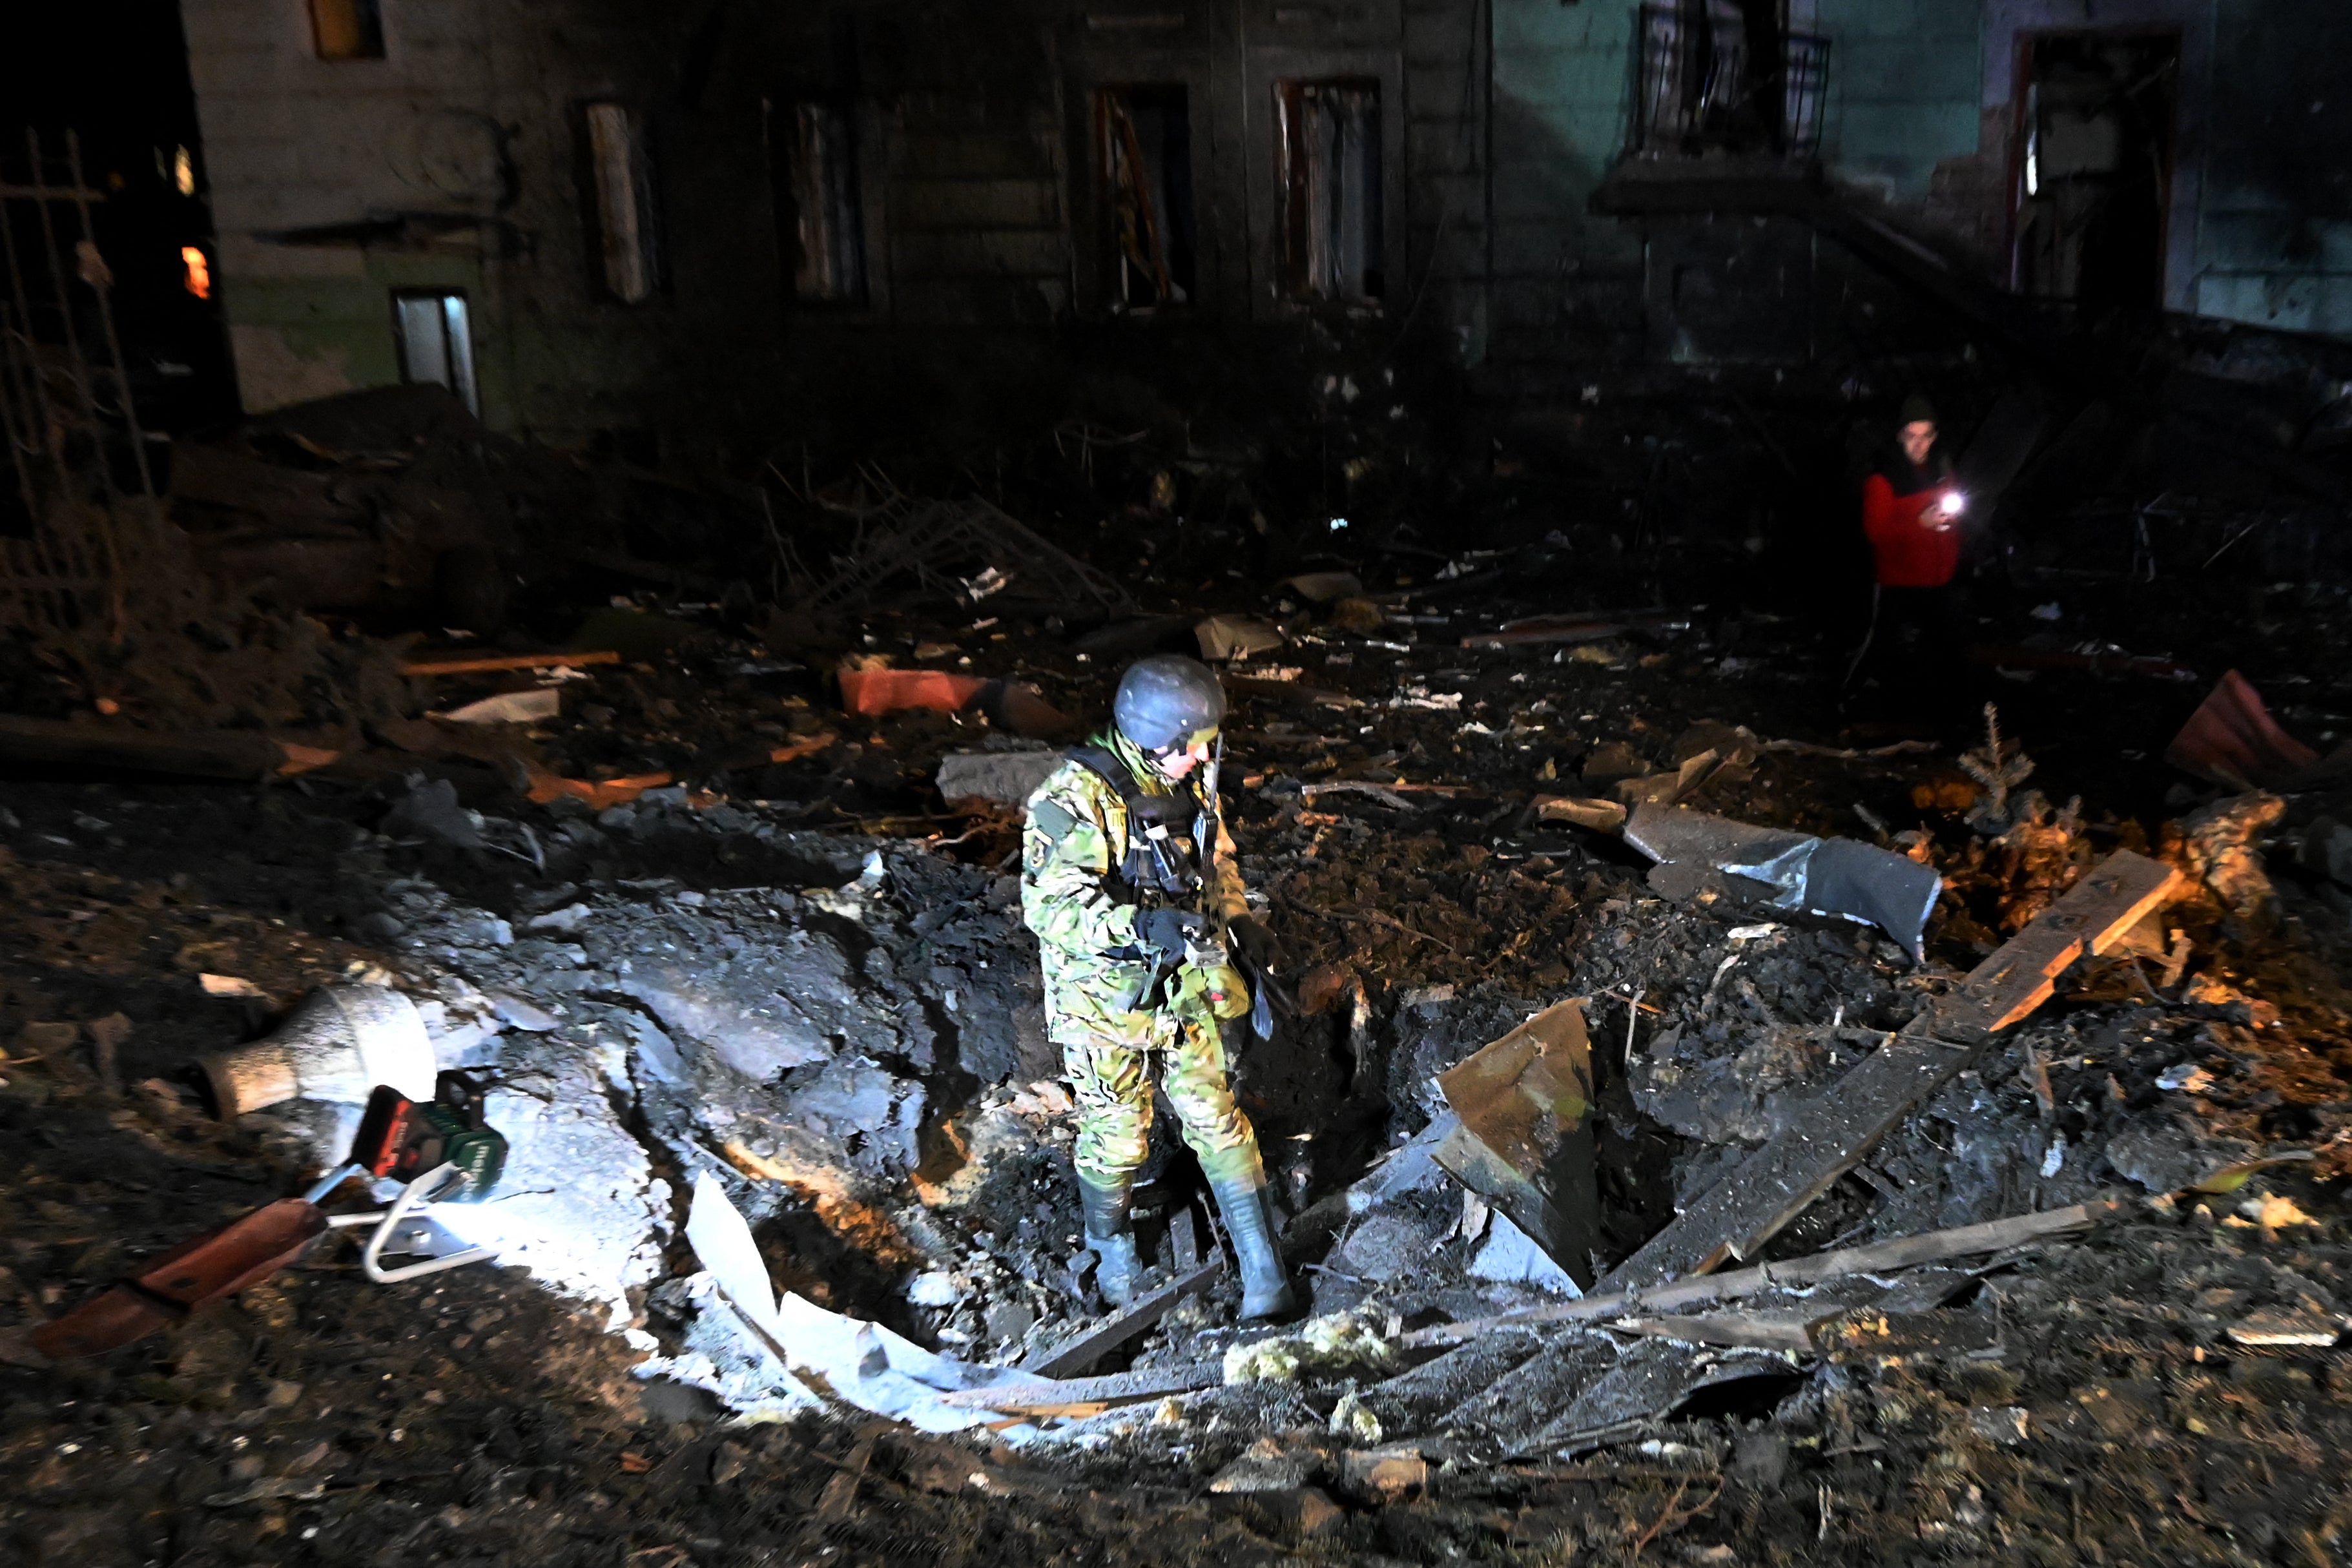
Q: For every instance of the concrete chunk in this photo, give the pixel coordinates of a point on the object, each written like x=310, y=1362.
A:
x=1003, y=778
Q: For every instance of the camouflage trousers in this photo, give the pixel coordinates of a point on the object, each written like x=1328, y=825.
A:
x=1112, y=1080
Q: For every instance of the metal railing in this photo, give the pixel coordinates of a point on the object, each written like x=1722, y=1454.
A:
x=1697, y=88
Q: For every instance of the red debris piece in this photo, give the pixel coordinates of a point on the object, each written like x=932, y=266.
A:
x=872, y=692
x=191, y=1275
x=2233, y=739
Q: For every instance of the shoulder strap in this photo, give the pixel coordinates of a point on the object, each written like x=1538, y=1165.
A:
x=1104, y=764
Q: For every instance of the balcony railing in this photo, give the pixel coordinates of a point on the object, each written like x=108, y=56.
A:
x=1698, y=88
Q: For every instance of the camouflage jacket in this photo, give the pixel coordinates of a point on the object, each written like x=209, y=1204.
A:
x=1076, y=840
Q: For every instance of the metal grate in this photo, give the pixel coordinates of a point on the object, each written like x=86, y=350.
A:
x=957, y=551
x=76, y=456
x=1694, y=91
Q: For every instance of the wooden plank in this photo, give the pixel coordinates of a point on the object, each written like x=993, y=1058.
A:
x=1183, y=1241
x=509, y=662
x=1045, y=1394
x=1776, y=1184
x=2090, y=916
x=1878, y=1257
x=1753, y=1331
x=241, y=755
x=1780, y=1180
x=1089, y=1347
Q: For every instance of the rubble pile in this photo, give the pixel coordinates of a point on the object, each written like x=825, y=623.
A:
x=1707, y=1131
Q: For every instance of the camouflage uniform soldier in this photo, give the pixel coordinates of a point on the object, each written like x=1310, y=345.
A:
x=1127, y=880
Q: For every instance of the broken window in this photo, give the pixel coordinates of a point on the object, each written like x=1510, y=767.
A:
x=1328, y=153
x=347, y=29
x=1143, y=137
x=2094, y=172
x=623, y=181
x=436, y=340
x=1730, y=76
x=820, y=218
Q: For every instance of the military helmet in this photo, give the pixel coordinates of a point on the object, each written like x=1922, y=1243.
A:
x=1167, y=700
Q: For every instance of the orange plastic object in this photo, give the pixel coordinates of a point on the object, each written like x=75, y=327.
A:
x=546, y=786
x=189, y=1276
x=870, y=692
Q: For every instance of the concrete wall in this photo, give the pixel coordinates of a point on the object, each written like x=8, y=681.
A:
x=1501, y=117
x=468, y=126
x=974, y=157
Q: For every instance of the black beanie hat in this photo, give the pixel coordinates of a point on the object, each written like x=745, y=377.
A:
x=1917, y=410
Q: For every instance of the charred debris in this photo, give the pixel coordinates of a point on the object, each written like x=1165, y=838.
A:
x=519, y=1042
x=1712, y=1122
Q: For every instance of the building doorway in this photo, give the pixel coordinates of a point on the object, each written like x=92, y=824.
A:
x=2094, y=175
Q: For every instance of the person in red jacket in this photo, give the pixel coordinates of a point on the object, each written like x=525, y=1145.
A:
x=1911, y=515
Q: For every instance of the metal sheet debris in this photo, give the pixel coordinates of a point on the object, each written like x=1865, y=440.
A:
x=1525, y=1140
x=1825, y=876
x=1226, y=638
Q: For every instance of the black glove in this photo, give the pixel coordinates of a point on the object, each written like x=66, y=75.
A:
x=1259, y=947
x=1166, y=931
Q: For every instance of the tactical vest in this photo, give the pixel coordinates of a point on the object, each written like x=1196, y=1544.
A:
x=1167, y=837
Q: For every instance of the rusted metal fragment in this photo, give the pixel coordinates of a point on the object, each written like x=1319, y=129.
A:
x=1526, y=1140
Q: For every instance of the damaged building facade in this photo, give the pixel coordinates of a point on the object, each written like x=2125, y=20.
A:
x=552, y=218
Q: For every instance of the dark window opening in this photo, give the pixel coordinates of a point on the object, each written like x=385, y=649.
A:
x=1143, y=137
x=1329, y=157
x=622, y=179
x=820, y=216
x=347, y=29
x=1727, y=76
x=2094, y=171
x=436, y=339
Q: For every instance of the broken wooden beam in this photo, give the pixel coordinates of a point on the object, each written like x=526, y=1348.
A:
x=1878, y=1257
x=1579, y=630
x=1780, y=1180
x=1047, y=1393
x=493, y=665
x=240, y=755
x=2087, y=919
x=1088, y=1348
x=1749, y=1330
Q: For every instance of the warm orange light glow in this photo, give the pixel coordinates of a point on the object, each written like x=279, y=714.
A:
x=199, y=271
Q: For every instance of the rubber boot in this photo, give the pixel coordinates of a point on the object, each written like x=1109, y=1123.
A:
x=1265, y=1289
x=1112, y=1236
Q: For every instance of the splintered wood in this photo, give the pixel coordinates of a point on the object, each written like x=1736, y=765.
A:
x=1117, y=1388
x=2091, y=916
x=1878, y=1257
x=1777, y=1182
x=1092, y=1346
